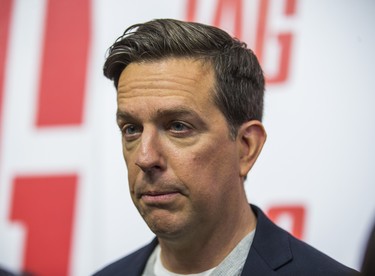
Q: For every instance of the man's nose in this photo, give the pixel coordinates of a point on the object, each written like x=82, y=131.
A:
x=150, y=152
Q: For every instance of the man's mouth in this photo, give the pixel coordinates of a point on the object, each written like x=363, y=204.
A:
x=159, y=197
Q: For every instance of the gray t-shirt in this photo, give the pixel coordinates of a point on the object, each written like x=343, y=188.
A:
x=232, y=265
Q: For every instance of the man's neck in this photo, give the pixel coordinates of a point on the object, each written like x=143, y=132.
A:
x=200, y=250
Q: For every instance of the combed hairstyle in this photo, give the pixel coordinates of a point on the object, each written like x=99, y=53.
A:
x=239, y=87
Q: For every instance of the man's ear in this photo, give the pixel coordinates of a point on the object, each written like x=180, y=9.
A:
x=251, y=137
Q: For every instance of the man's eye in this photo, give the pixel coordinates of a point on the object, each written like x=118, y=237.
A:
x=179, y=128
x=131, y=131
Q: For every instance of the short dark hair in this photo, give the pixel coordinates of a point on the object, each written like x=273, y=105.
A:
x=239, y=87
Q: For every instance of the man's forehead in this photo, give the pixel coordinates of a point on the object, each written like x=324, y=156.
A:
x=166, y=111
x=172, y=65
x=170, y=76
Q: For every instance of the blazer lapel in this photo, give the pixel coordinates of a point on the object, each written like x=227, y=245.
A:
x=255, y=265
x=270, y=248
x=139, y=261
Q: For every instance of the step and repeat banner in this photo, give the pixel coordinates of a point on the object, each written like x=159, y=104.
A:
x=64, y=202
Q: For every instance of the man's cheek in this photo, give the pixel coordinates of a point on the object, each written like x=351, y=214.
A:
x=201, y=155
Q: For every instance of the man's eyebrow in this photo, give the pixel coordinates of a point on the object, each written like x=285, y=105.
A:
x=183, y=113
x=172, y=112
x=123, y=116
x=176, y=111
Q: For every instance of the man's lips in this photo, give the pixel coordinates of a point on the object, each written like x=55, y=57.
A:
x=159, y=197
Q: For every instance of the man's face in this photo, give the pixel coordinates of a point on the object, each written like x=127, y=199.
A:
x=183, y=166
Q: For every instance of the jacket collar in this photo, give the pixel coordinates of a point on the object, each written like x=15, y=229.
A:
x=270, y=248
x=269, y=251
x=140, y=260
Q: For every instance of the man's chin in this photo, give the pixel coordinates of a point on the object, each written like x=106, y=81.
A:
x=165, y=226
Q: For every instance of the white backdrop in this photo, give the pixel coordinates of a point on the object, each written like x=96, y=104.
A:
x=63, y=181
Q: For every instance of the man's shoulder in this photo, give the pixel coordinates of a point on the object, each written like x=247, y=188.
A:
x=279, y=251
x=308, y=257
x=132, y=264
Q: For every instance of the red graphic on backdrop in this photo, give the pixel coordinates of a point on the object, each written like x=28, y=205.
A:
x=234, y=9
x=44, y=203
x=5, y=11
x=64, y=63
x=296, y=213
x=233, y=6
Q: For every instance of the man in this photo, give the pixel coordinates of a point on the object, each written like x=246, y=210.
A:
x=190, y=102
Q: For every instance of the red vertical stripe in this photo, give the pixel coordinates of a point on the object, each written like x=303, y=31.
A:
x=261, y=29
x=64, y=63
x=296, y=212
x=45, y=206
x=225, y=7
x=5, y=12
x=191, y=10
x=285, y=42
x=290, y=7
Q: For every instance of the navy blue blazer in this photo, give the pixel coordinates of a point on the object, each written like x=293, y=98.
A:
x=273, y=252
